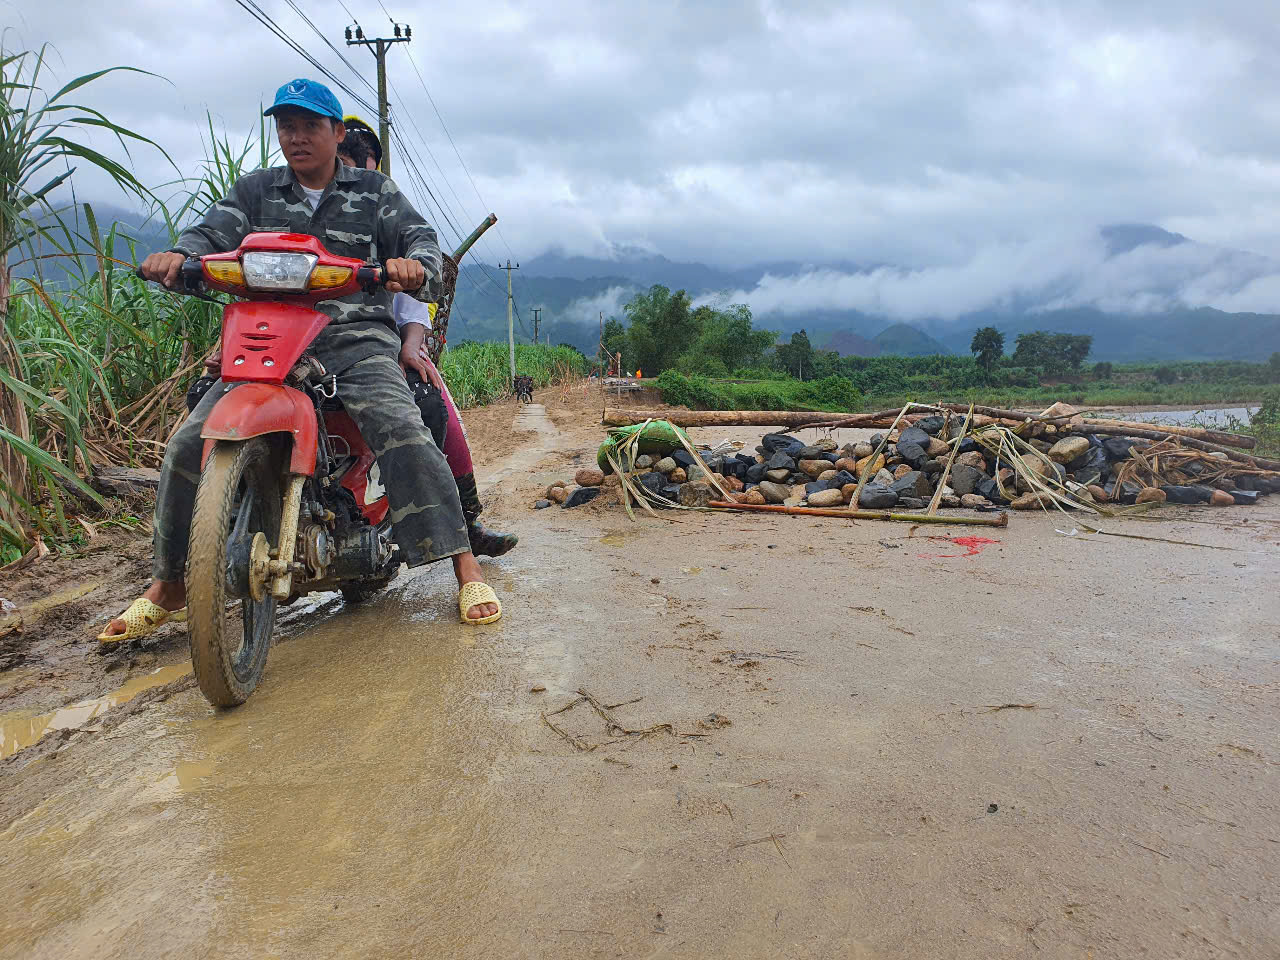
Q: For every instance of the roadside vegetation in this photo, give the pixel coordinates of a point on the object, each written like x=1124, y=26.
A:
x=713, y=357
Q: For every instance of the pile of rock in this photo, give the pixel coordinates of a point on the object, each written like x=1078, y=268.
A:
x=908, y=469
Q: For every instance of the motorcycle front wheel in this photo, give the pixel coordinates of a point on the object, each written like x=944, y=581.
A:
x=238, y=498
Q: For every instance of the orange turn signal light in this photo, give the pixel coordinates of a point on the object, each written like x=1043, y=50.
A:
x=328, y=278
x=225, y=271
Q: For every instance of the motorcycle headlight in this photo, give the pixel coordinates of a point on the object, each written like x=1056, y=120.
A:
x=283, y=272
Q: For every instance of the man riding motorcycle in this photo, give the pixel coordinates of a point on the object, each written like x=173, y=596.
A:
x=354, y=213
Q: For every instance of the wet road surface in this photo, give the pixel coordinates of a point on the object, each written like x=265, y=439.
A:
x=1057, y=747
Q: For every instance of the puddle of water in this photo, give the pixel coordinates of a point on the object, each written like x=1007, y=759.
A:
x=21, y=729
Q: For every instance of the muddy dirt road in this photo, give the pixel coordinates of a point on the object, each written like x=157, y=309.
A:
x=878, y=748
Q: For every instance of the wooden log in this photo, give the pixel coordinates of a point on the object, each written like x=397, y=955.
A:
x=619, y=417
x=1195, y=433
x=1002, y=520
x=125, y=481
x=1258, y=463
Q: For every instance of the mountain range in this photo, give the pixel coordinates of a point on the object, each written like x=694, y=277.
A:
x=1143, y=294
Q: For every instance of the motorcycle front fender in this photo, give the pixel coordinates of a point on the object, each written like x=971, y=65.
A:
x=257, y=409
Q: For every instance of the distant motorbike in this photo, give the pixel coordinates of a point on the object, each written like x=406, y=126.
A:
x=290, y=500
x=523, y=389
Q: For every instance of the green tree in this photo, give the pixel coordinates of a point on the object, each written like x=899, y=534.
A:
x=987, y=346
x=1274, y=366
x=662, y=328
x=1166, y=375
x=1052, y=353
x=1103, y=370
x=614, y=340
x=726, y=341
x=796, y=357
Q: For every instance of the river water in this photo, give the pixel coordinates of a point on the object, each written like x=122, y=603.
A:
x=1220, y=418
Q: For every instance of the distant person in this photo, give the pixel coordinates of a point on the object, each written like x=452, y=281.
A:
x=360, y=148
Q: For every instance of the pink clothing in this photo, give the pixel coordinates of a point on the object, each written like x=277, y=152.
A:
x=456, y=450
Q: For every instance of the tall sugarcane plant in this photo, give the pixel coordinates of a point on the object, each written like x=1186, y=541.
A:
x=44, y=138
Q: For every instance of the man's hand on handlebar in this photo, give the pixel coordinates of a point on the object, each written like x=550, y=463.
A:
x=165, y=268
x=403, y=275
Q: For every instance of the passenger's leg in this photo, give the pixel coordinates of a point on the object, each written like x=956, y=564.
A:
x=484, y=542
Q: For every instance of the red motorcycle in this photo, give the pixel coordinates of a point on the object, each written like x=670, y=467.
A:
x=289, y=500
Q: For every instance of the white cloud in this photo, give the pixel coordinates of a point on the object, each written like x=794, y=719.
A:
x=743, y=131
x=1043, y=274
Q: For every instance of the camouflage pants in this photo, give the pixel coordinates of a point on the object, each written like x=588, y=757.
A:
x=425, y=512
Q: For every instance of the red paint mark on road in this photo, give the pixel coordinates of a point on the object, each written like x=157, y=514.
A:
x=973, y=546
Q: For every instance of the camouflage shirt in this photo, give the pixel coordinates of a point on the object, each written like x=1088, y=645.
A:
x=361, y=214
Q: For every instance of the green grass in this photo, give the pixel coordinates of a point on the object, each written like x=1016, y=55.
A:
x=699, y=393
x=479, y=373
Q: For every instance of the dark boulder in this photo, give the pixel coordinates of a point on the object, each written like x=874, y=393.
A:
x=914, y=435
x=931, y=425
x=913, y=453
x=1187, y=494
x=580, y=496
x=1117, y=448
x=911, y=503
x=842, y=478
x=652, y=481
x=683, y=458
x=746, y=459
x=966, y=479
x=913, y=484
x=542, y=504
x=781, y=442
x=991, y=490
x=1244, y=497
x=755, y=472
x=877, y=497
x=780, y=461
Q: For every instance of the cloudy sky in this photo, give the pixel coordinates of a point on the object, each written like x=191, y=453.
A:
x=942, y=136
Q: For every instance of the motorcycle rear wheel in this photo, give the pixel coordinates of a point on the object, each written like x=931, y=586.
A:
x=239, y=495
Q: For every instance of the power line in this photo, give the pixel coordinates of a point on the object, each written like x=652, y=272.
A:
x=336, y=51
x=255, y=11
x=445, y=128
x=456, y=152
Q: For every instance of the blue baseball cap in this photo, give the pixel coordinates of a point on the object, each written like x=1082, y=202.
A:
x=306, y=95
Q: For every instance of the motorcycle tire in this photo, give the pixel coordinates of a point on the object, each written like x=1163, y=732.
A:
x=239, y=494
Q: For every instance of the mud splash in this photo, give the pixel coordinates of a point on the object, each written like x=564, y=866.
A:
x=23, y=728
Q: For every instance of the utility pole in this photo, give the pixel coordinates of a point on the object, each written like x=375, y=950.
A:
x=511, y=330
x=536, y=311
x=379, y=47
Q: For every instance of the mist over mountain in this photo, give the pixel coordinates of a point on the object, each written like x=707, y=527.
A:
x=1143, y=293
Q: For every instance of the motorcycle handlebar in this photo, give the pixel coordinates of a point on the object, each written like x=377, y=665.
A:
x=369, y=277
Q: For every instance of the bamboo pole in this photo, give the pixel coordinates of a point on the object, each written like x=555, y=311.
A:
x=796, y=420
x=1002, y=520
x=946, y=471
x=871, y=462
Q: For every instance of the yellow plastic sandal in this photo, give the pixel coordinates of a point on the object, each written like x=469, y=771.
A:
x=142, y=619
x=473, y=594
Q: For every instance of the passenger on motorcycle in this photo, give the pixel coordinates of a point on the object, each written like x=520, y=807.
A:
x=439, y=413
x=354, y=213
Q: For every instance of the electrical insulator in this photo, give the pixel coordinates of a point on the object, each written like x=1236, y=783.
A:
x=408, y=33
x=348, y=33
x=397, y=30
